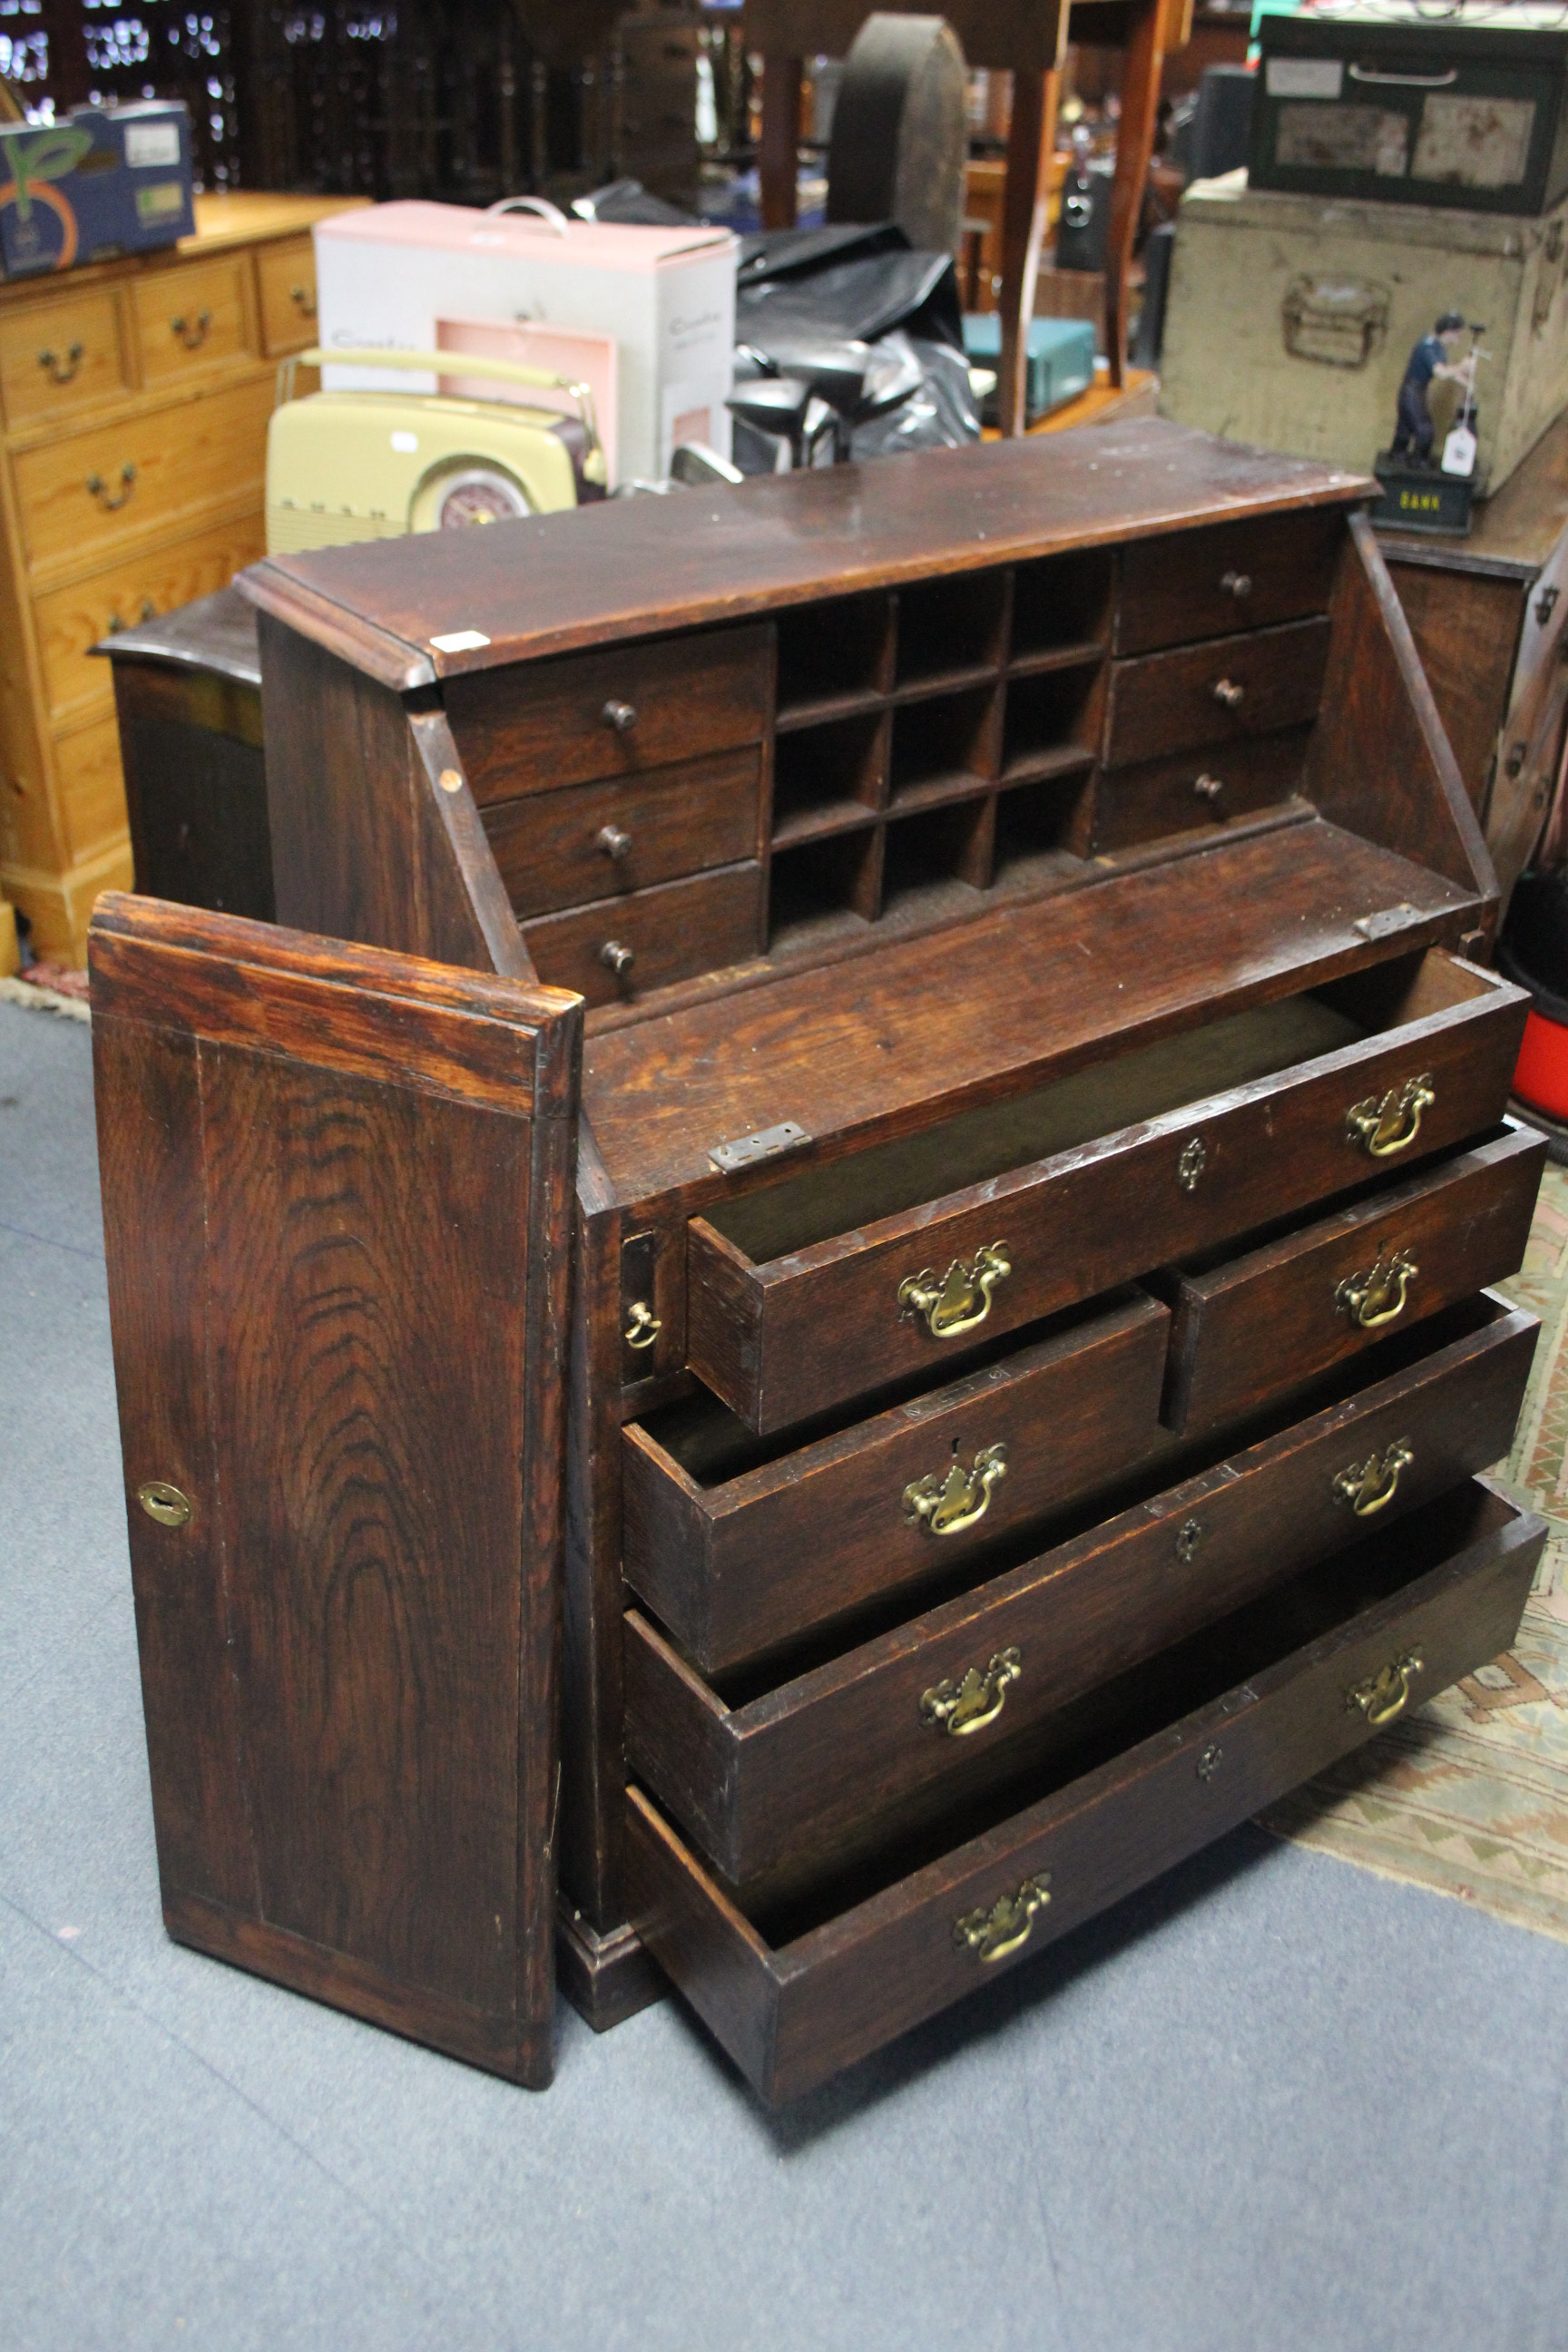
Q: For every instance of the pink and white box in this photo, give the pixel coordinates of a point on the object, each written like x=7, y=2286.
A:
x=401, y=277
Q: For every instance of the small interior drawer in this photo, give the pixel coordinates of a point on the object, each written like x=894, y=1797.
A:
x=739, y=1547
x=1229, y=575
x=768, y=1775
x=1165, y=797
x=563, y=849
x=1216, y=693
x=617, y=949
x=1254, y=1326
x=59, y=355
x=1166, y=1759
x=192, y=316
x=540, y=724
x=891, y=1263
x=286, y=278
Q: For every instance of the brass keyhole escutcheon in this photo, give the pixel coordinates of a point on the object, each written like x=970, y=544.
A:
x=164, y=1503
x=960, y=1300
x=96, y=487
x=643, y=1326
x=1007, y=1925
x=1383, y=1125
x=1195, y=1159
x=1369, y=1485
x=1387, y=1694
x=1189, y=1535
x=967, y=1706
x=1377, y=1297
x=1210, y=1760
x=61, y=370
x=945, y=1507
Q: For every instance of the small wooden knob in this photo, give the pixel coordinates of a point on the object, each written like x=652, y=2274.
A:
x=617, y=957
x=1237, y=585
x=619, y=715
x=1228, y=693
x=615, y=844
x=1209, y=788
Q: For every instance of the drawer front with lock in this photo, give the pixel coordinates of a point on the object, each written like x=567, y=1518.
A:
x=191, y=317
x=918, y=1719
x=1234, y=575
x=98, y=489
x=286, y=278
x=886, y=1505
x=1206, y=1736
x=1258, y=1325
x=59, y=356
x=1164, y=796
x=539, y=726
x=72, y=621
x=563, y=849
x=619, y=948
x=1214, y=693
x=780, y=1324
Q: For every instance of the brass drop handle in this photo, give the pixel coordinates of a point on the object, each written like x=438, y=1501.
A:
x=1237, y=585
x=96, y=487
x=1007, y=1927
x=304, y=303
x=1209, y=788
x=1387, y=1694
x=615, y=844
x=963, y=1707
x=621, y=716
x=164, y=1503
x=1384, y=1124
x=192, y=332
x=643, y=1326
x=1371, y=1485
x=960, y=1300
x=1377, y=1297
x=149, y=612
x=946, y=1507
x=58, y=370
x=617, y=957
x=1228, y=693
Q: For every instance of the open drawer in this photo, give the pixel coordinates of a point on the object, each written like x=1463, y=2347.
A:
x=889, y=1265
x=769, y=1776
x=1174, y=1755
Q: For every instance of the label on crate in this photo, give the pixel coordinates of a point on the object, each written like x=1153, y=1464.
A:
x=1304, y=77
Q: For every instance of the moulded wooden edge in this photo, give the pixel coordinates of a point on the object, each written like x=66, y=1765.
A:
x=606, y=1978
x=364, y=645
x=363, y=1990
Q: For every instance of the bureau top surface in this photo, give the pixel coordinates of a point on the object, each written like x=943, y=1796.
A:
x=636, y=567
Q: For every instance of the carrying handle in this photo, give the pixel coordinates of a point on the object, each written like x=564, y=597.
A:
x=551, y=215
x=440, y=363
x=1405, y=81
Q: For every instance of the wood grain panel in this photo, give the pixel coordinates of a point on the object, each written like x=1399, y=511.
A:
x=672, y=931
x=286, y=278
x=1165, y=797
x=72, y=621
x=59, y=355
x=192, y=317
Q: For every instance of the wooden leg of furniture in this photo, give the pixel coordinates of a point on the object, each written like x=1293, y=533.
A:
x=1134, y=147
x=608, y=1977
x=778, y=161
x=1029, y=146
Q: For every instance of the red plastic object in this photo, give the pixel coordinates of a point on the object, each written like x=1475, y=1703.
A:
x=1541, y=1075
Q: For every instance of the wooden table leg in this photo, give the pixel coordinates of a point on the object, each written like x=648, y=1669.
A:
x=778, y=160
x=1134, y=147
x=1029, y=144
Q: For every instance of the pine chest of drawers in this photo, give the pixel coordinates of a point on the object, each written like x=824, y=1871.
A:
x=833, y=1287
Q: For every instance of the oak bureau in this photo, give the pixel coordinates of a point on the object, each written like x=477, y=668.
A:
x=826, y=1298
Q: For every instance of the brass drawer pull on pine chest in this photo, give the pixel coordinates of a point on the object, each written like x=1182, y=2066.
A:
x=304, y=303
x=1387, y=1694
x=1007, y=1925
x=946, y=1507
x=1383, y=1127
x=96, y=487
x=1368, y=1488
x=963, y=1707
x=60, y=370
x=961, y=1301
x=1373, y=1299
x=164, y=1503
x=192, y=332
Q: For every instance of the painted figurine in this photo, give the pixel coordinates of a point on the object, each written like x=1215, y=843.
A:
x=1434, y=358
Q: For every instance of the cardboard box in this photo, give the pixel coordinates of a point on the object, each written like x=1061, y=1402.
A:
x=389, y=276
x=108, y=179
x=1292, y=321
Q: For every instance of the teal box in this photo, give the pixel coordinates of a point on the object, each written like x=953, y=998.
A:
x=1061, y=358
x=107, y=180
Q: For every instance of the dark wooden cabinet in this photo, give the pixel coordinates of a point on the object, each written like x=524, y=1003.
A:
x=1040, y=1153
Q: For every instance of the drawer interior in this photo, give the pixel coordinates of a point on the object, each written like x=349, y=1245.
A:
x=822, y=1202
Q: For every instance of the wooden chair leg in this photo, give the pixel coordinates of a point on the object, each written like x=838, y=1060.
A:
x=778, y=161
x=1029, y=144
x=1134, y=147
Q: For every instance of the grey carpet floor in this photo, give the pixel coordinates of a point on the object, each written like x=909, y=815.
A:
x=1272, y=2103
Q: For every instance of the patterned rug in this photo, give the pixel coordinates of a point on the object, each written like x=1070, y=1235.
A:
x=1469, y=1797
